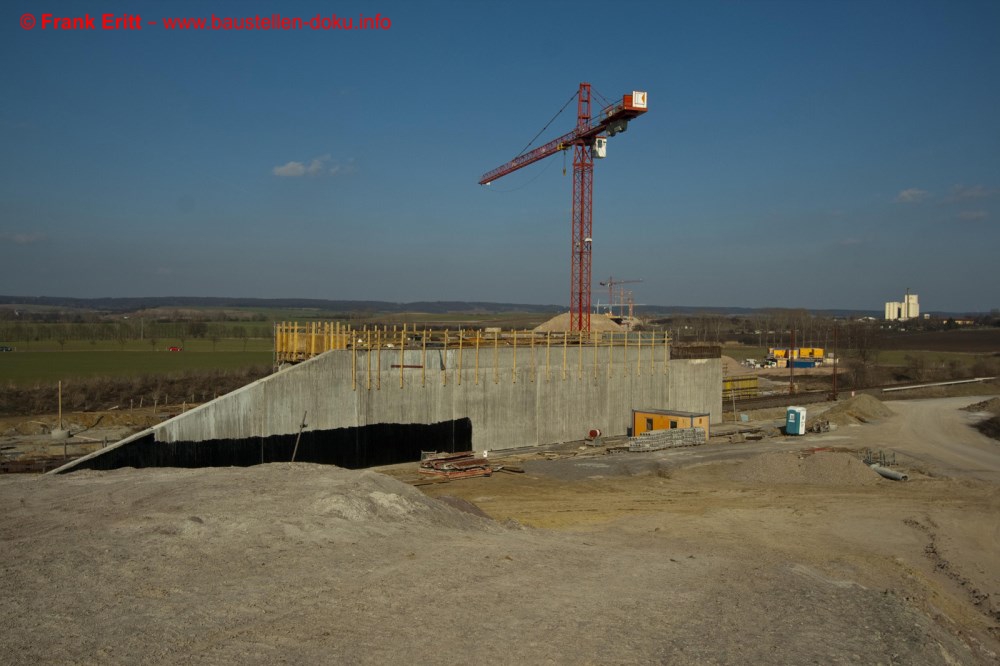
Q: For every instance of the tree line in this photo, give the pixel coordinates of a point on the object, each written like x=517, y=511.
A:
x=128, y=330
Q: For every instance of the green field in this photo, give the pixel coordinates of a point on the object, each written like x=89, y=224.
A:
x=939, y=358
x=189, y=345
x=138, y=345
x=50, y=366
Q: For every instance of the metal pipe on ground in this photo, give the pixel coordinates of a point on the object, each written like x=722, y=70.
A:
x=919, y=386
x=889, y=474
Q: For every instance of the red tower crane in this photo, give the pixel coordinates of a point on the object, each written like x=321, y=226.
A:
x=587, y=144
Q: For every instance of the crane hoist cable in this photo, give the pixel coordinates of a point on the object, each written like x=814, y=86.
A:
x=603, y=100
x=540, y=132
x=558, y=113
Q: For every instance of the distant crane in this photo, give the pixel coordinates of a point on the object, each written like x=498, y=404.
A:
x=610, y=284
x=588, y=143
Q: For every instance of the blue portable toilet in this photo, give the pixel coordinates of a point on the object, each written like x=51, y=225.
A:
x=795, y=421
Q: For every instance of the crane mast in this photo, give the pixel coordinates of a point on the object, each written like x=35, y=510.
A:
x=582, y=220
x=585, y=139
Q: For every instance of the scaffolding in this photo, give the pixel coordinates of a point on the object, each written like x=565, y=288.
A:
x=478, y=355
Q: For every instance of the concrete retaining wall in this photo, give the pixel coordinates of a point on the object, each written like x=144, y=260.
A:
x=513, y=399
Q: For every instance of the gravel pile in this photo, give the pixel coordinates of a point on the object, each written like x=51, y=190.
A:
x=823, y=468
x=730, y=366
x=859, y=409
x=992, y=406
x=562, y=322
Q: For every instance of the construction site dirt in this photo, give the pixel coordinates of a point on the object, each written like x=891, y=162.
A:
x=786, y=550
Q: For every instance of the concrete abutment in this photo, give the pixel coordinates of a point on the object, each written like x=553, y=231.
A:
x=508, y=398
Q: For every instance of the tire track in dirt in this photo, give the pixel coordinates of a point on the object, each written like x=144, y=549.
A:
x=979, y=599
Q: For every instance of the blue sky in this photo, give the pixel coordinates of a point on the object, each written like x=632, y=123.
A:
x=795, y=154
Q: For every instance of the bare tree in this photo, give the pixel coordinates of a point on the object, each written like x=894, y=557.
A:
x=121, y=335
x=241, y=333
x=62, y=335
x=197, y=329
x=866, y=341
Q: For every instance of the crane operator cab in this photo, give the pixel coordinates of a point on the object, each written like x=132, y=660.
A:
x=599, y=150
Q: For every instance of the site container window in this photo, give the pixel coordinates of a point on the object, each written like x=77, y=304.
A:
x=673, y=424
x=649, y=424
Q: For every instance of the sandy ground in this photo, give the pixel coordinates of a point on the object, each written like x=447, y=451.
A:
x=30, y=437
x=689, y=556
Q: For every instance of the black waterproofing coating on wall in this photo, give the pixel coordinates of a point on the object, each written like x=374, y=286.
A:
x=353, y=448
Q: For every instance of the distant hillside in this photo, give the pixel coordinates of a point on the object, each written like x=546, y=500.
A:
x=132, y=304
x=664, y=310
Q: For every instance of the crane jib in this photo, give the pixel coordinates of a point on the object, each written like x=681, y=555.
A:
x=624, y=110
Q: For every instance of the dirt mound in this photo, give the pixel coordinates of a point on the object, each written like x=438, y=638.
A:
x=78, y=423
x=992, y=405
x=730, y=366
x=823, y=468
x=315, y=497
x=990, y=427
x=859, y=409
x=560, y=323
x=465, y=505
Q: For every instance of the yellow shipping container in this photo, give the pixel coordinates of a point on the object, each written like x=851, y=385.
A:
x=798, y=352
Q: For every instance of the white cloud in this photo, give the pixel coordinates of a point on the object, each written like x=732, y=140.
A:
x=911, y=195
x=973, y=215
x=343, y=169
x=961, y=192
x=290, y=170
x=21, y=238
x=316, y=166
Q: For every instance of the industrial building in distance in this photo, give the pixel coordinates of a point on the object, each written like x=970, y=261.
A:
x=909, y=308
